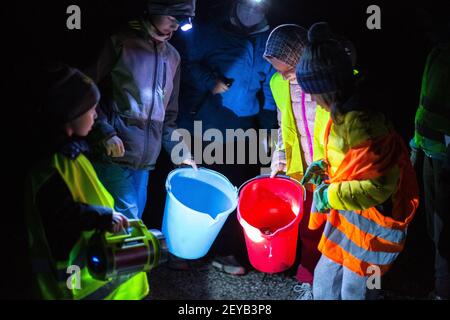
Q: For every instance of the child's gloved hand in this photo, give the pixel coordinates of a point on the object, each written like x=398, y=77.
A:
x=114, y=147
x=320, y=198
x=119, y=222
x=316, y=173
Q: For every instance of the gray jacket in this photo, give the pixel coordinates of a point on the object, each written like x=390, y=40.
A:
x=139, y=80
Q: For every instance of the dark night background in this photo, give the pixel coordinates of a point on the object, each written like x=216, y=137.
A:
x=392, y=57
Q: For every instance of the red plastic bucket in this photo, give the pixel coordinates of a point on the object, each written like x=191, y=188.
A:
x=269, y=211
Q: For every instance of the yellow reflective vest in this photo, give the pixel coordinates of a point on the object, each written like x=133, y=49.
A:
x=281, y=92
x=60, y=279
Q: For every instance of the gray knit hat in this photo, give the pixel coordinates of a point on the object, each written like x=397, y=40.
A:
x=286, y=43
x=325, y=66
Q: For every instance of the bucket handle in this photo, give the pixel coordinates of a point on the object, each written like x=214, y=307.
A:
x=283, y=176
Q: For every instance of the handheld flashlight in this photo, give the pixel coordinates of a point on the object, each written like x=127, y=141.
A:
x=134, y=250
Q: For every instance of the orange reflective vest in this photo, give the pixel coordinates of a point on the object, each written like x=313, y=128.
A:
x=363, y=238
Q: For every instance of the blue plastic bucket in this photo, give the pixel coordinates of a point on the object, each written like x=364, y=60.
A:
x=197, y=205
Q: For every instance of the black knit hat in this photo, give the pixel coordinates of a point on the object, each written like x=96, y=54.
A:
x=286, y=43
x=324, y=66
x=171, y=7
x=71, y=94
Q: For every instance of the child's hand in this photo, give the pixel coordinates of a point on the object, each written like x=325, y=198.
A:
x=119, y=222
x=278, y=166
x=114, y=147
x=190, y=162
x=220, y=87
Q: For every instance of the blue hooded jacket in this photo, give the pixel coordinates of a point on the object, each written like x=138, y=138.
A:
x=211, y=51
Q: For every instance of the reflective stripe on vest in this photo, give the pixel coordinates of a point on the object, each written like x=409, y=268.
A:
x=358, y=239
x=371, y=257
x=108, y=288
x=371, y=227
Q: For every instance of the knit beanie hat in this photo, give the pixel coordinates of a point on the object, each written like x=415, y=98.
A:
x=171, y=7
x=324, y=66
x=71, y=94
x=286, y=43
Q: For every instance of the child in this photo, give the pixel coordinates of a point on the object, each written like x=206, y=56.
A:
x=371, y=193
x=225, y=85
x=301, y=125
x=139, y=74
x=66, y=201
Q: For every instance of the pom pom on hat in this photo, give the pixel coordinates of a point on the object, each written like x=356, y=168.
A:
x=319, y=32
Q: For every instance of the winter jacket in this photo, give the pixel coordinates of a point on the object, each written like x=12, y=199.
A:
x=357, y=128
x=63, y=218
x=289, y=146
x=213, y=52
x=65, y=204
x=373, y=194
x=433, y=116
x=139, y=79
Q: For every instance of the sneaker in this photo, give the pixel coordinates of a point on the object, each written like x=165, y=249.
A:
x=228, y=264
x=304, y=291
x=178, y=264
x=434, y=296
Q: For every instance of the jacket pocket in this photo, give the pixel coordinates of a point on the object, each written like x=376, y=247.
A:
x=132, y=134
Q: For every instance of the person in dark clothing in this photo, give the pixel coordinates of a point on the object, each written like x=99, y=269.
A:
x=66, y=202
x=432, y=143
x=63, y=218
x=226, y=85
x=138, y=72
x=226, y=80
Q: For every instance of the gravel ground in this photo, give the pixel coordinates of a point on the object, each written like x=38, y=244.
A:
x=411, y=276
x=207, y=283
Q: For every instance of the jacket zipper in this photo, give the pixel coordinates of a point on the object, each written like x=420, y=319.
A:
x=164, y=79
x=149, y=118
x=305, y=121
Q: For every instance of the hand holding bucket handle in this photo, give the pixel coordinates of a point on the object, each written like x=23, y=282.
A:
x=282, y=176
x=189, y=163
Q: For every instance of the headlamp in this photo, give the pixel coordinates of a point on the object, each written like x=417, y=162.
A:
x=256, y=2
x=185, y=22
